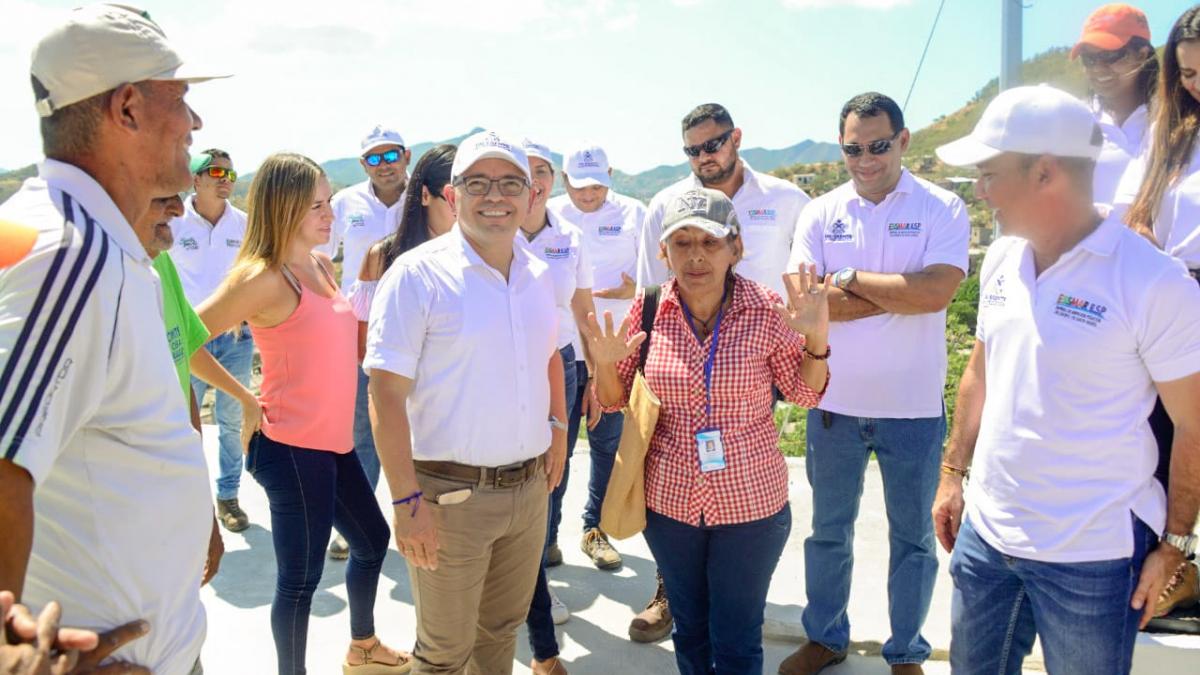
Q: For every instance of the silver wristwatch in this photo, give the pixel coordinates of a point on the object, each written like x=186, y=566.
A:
x=1184, y=542
x=556, y=423
x=844, y=277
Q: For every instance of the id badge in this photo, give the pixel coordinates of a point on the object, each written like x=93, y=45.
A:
x=710, y=449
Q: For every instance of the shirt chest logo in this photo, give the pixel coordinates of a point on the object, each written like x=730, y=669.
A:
x=1079, y=310
x=189, y=244
x=357, y=220
x=557, y=252
x=610, y=230
x=904, y=229
x=838, y=231
x=761, y=215
x=233, y=243
x=994, y=295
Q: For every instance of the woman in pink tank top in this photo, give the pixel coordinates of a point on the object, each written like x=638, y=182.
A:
x=307, y=335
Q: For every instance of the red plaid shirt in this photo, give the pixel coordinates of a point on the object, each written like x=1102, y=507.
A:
x=755, y=350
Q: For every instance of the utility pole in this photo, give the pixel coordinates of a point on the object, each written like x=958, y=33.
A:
x=1010, y=43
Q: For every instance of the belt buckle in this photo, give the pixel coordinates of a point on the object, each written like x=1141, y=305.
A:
x=508, y=476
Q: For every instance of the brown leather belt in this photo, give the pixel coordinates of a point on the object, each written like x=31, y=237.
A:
x=506, y=476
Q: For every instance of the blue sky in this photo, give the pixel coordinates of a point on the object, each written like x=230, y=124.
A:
x=315, y=76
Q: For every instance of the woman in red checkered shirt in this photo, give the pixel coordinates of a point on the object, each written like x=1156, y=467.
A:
x=716, y=483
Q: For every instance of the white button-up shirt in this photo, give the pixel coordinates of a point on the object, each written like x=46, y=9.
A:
x=889, y=365
x=1177, y=225
x=767, y=209
x=204, y=252
x=1122, y=142
x=1064, y=451
x=359, y=220
x=610, y=235
x=477, y=348
x=560, y=245
x=90, y=406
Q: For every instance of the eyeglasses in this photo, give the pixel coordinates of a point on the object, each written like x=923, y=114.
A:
x=711, y=146
x=880, y=147
x=479, y=186
x=1108, y=58
x=391, y=157
x=221, y=172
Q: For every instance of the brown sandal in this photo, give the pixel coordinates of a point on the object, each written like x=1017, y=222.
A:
x=557, y=669
x=370, y=666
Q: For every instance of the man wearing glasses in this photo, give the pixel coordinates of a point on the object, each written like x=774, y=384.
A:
x=207, y=238
x=767, y=209
x=896, y=246
x=468, y=402
x=362, y=215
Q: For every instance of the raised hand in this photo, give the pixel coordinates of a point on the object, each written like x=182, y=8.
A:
x=807, y=312
x=607, y=346
x=625, y=291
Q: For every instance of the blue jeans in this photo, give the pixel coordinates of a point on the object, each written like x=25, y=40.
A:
x=364, y=439
x=1080, y=611
x=575, y=373
x=717, y=579
x=237, y=356
x=310, y=491
x=909, y=453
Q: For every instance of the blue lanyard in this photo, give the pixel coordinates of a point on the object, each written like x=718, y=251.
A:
x=712, y=350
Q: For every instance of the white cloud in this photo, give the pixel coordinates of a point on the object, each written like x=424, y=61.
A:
x=830, y=4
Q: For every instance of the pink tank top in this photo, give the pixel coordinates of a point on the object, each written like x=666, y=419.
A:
x=309, y=382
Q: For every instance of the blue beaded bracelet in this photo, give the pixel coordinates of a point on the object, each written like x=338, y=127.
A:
x=414, y=499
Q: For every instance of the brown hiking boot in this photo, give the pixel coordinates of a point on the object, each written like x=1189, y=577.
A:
x=231, y=515
x=810, y=659
x=653, y=623
x=907, y=669
x=595, y=545
x=1183, y=590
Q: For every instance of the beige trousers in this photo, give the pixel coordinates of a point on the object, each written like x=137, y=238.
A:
x=490, y=547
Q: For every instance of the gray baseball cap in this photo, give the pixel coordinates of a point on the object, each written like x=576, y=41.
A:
x=705, y=208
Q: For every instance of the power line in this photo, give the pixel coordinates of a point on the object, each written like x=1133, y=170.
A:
x=920, y=63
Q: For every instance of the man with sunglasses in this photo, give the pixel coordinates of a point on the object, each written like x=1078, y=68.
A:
x=467, y=385
x=767, y=207
x=207, y=238
x=362, y=215
x=896, y=246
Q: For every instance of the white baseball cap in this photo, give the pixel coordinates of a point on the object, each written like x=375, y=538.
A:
x=488, y=145
x=535, y=149
x=705, y=208
x=381, y=135
x=1038, y=120
x=100, y=47
x=588, y=166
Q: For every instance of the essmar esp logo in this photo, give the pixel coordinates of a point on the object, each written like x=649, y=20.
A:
x=761, y=214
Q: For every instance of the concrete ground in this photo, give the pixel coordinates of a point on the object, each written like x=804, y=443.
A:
x=601, y=603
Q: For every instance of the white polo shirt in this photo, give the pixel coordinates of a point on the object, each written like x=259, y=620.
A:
x=610, y=235
x=1177, y=226
x=1064, y=451
x=1122, y=142
x=890, y=365
x=90, y=405
x=204, y=252
x=359, y=220
x=767, y=209
x=476, y=346
x=560, y=246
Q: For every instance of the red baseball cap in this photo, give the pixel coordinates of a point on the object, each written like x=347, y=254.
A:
x=1110, y=27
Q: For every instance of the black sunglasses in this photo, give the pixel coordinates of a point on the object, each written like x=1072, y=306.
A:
x=880, y=147
x=710, y=146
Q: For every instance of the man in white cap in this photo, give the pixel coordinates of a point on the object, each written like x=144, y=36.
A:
x=611, y=225
x=467, y=405
x=1067, y=536
x=91, y=412
x=896, y=247
x=362, y=215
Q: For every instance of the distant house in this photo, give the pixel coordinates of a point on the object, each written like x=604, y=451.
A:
x=802, y=179
x=962, y=186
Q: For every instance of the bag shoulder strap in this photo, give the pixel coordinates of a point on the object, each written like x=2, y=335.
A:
x=649, y=311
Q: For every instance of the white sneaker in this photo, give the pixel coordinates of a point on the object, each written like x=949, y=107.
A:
x=558, y=611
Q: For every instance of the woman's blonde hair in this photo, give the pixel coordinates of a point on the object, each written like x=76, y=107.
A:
x=280, y=197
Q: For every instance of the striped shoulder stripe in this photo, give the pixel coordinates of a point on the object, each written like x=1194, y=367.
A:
x=31, y=400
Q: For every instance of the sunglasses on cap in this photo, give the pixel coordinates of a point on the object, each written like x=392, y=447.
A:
x=221, y=172
x=376, y=158
x=711, y=146
x=880, y=147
